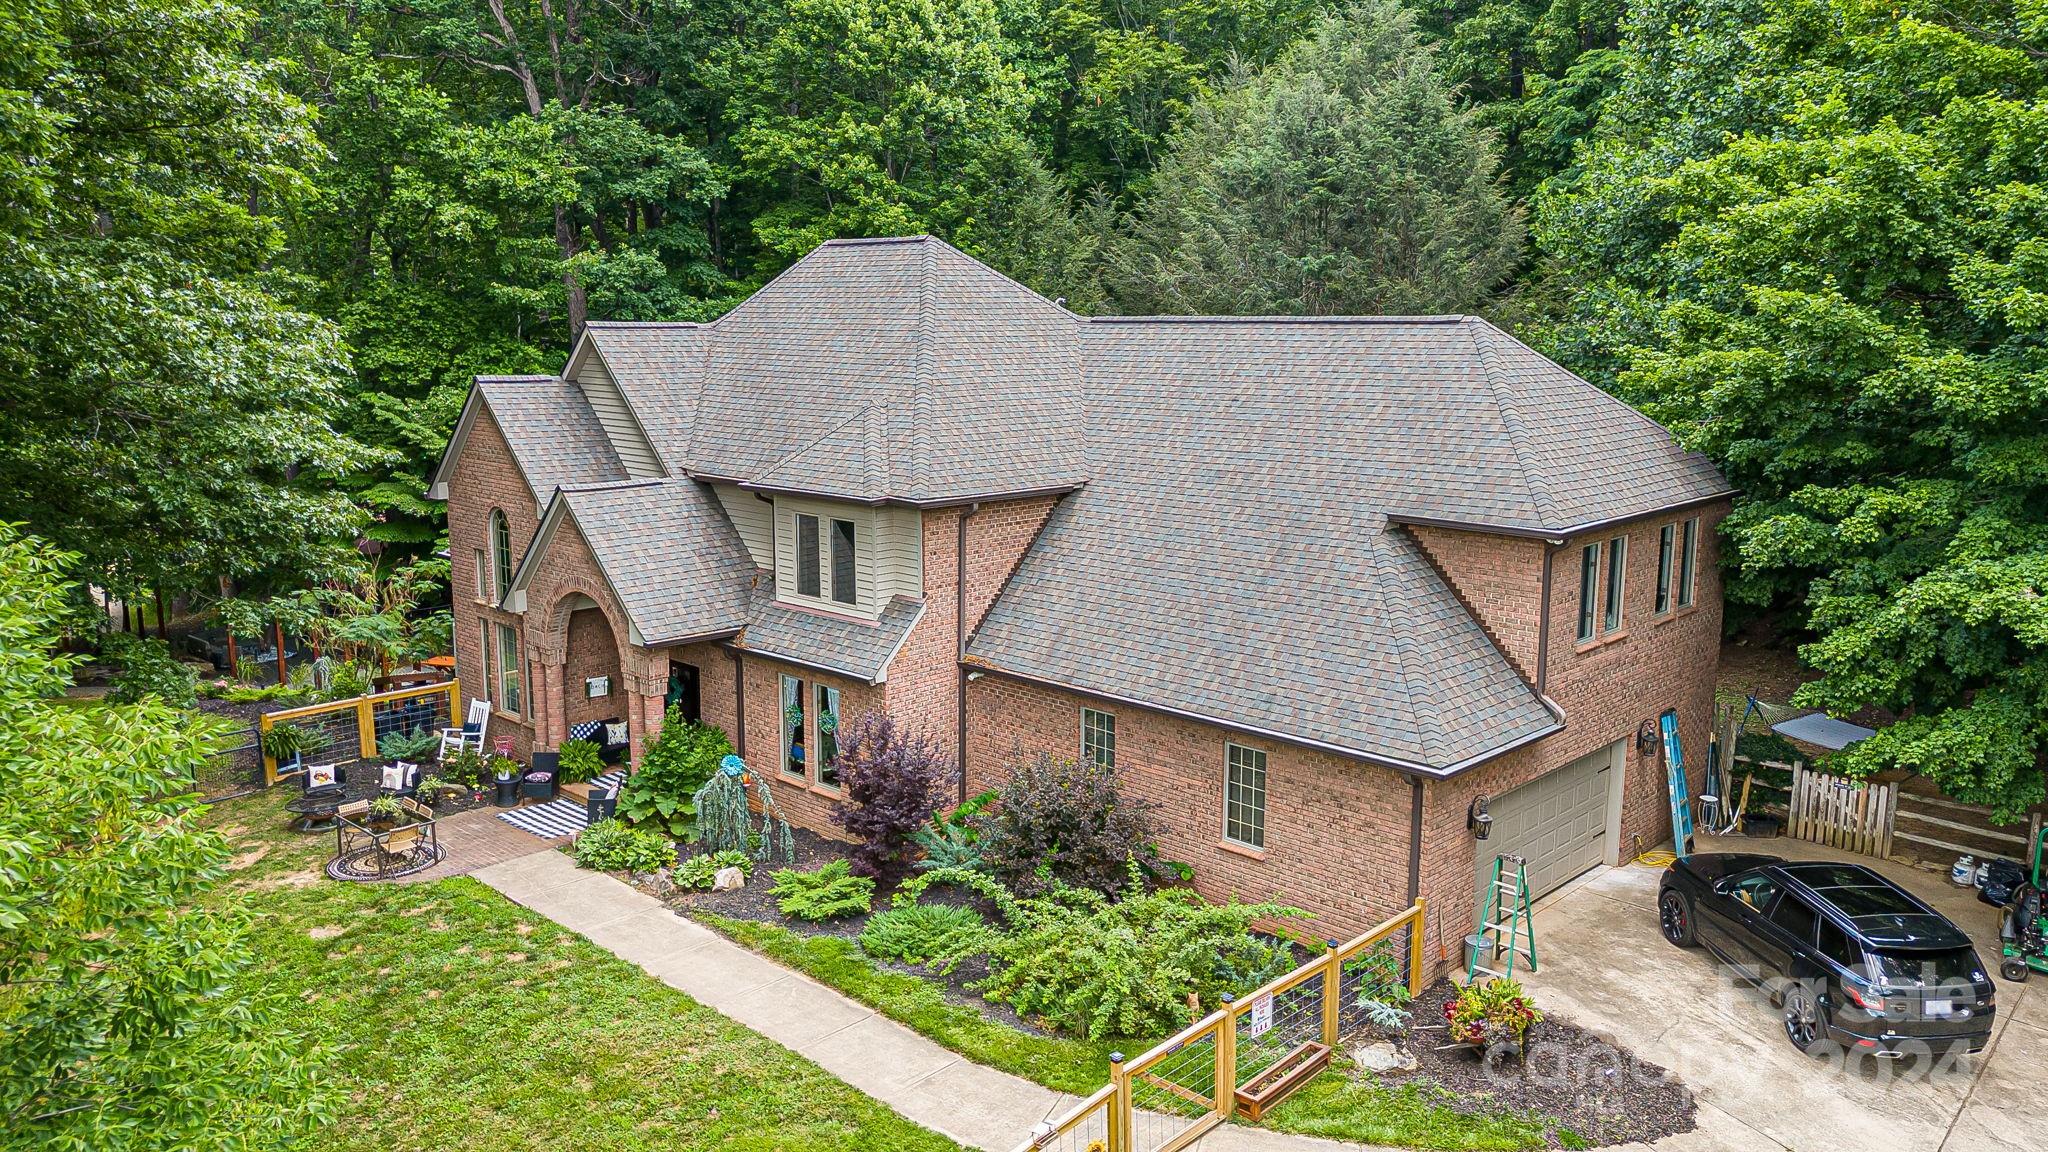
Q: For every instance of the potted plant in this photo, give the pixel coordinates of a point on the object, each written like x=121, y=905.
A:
x=505, y=771
x=384, y=813
x=286, y=743
x=1492, y=1018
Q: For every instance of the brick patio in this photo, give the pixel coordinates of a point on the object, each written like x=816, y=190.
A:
x=478, y=839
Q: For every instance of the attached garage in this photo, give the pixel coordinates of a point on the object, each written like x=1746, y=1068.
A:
x=1557, y=822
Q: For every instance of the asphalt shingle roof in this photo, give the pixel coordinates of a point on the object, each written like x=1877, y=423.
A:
x=659, y=368
x=851, y=647
x=555, y=436
x=671, y=555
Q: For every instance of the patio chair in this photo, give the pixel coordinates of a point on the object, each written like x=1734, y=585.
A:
x=325, y=779
x=471, y=734
x=543, y=776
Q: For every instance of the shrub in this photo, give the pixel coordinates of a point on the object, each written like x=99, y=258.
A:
x=1090, y=966
x=385, y=808
x=430, y=788
x=682, y=758
x=827, y=894
x=288, y=742
x=1490, y=1013
x=725, y=821
x=700, y=871
x=937, y=936
x=609, y=846
x=581, y=760
x=893, y=782
x=1063, y=821
x=465, y=767
x=145, y=667
x=419, y=744
x=949, y=840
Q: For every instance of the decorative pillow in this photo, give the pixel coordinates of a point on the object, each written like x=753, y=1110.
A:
x=323, y=775
x=398, y=776
x=585, y=730
x=539, y=777
x=615, y=734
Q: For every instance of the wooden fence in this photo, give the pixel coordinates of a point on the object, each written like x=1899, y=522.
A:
x=349, y=729
x=1842, y=813
x=1245, y=1053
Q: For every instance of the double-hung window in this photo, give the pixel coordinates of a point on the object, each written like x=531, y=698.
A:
x=1667, y=555
x=1617, y=569
x=793, y=726
x=827, y=720
x=1688, y=559
x=508, y=669
x=483, y=577
x=1244, y=796
x=501, y=555
x=1098, y=737
x=1589, y=579
x=483, y=656
x=825, y=554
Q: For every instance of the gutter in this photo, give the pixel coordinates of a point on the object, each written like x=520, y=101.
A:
x=1543, y=623
x=960, y=647
x=1410, y=767
x=739, y=701
x=1559, y=535
x=1415, y=839
x=764, y=491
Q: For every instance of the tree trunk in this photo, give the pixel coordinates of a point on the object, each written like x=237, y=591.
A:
x=163, y=626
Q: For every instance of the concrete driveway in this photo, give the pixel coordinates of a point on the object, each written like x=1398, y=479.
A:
x=1605, y=966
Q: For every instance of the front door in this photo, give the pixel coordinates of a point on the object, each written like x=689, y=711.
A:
x=682, y=690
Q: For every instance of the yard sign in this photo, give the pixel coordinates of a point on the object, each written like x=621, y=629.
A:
x=1681, y=800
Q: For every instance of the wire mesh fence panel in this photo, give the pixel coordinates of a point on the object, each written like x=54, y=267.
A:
x=1271, y=1027
x=416, y=719
x=1374, y=981
x=330, y=738
x=1173, y=1091
x=1084, y=1129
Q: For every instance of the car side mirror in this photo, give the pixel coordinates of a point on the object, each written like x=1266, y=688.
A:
x=1723, y=887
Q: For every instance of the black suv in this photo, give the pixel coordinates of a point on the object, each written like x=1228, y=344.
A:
x=1853, y=959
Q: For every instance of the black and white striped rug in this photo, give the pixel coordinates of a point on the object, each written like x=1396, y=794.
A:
x=563, y=816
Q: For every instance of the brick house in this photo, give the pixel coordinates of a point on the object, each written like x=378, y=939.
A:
x=1317, y=586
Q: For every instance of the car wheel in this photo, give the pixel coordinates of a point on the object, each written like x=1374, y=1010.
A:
x=1803, y=1025
x=1674, y=915
x=2014, y=969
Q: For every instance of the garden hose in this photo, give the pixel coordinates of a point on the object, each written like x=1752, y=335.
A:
x=1657, y=859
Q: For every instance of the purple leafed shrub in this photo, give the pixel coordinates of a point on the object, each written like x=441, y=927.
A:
x=1064, y=821
x=894, y=780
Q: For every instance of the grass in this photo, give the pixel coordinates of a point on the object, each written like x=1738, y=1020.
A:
x=449, y=1018
x=1059, y=1063
x=1343, y=1104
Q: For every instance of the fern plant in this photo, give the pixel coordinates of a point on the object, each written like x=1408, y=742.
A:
x=827, y=894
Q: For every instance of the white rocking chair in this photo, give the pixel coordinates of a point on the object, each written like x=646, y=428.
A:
x=471, y=734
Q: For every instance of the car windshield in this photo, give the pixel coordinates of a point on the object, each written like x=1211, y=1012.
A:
x=1906, y=969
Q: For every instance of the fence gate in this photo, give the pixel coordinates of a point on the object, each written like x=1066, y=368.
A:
x=1842, y=813
x=347, y=730
x=1246, y=1052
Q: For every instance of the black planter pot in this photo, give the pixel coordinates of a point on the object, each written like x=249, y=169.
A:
x=508, y=792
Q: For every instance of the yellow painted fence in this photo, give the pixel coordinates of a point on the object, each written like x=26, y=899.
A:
x=348, y=730
x=1168, y=1097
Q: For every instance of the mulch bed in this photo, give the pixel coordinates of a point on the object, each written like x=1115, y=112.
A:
x=1597, y=1089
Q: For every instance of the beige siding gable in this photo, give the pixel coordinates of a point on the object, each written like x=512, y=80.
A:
x=617, y=417
x=899, y=552
x=755, y=520
x=787, y=508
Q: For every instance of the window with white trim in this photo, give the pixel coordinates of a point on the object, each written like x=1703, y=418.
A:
x=1617, y=569
x=1688, y=560
x=792, y=726
x=1244, y=796
x=501, y=555
x=1589, y=576
x=483, y=577
x=1098, y=737
x=509, y=695
x=827, y=721
x=807, y=553
x=1667, y=547
x=842, y=562
x=483, y=656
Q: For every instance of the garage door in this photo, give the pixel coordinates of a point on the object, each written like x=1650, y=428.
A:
x=1558, y=823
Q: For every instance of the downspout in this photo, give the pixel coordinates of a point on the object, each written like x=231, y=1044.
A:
x=960, y=643
x=1414, y=839
x=739, y=703
x=1543, y=620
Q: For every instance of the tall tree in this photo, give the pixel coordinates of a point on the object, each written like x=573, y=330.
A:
x=1339, y=180
x=162, y=413
x=1829, y=275
x=117, y=1029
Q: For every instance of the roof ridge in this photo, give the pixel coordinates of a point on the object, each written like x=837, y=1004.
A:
x=924, y=377
x=807, y=445
x=1574, y=377
x=643, y=324
x=1429, y=725
x=527, y=378
x=613, y=485
x=1533, y=476
x=1429, y=319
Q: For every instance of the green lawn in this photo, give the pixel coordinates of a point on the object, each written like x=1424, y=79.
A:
x=1343, y=1105
x=454, y=1020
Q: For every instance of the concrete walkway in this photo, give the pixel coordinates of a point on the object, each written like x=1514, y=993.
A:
x=925, y=1083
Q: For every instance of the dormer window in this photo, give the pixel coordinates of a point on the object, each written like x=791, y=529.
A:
x=824, y=546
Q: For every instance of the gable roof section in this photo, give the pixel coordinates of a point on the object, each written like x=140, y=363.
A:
x=555, y=437
x=674, y=562
x=1230, y=569
x=658, y=369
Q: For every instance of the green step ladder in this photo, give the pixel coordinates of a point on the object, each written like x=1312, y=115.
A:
x=1507, y=919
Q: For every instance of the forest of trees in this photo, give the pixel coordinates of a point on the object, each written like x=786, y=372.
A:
x=253, y=254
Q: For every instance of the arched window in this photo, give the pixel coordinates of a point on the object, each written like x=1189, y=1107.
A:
x=501, y=554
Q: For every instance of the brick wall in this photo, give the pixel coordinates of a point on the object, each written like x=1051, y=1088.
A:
x=592, y=652
x=924, y=680
x=1336, y=830
x=485, y=478
x=1499, y=579
x=807, y=803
